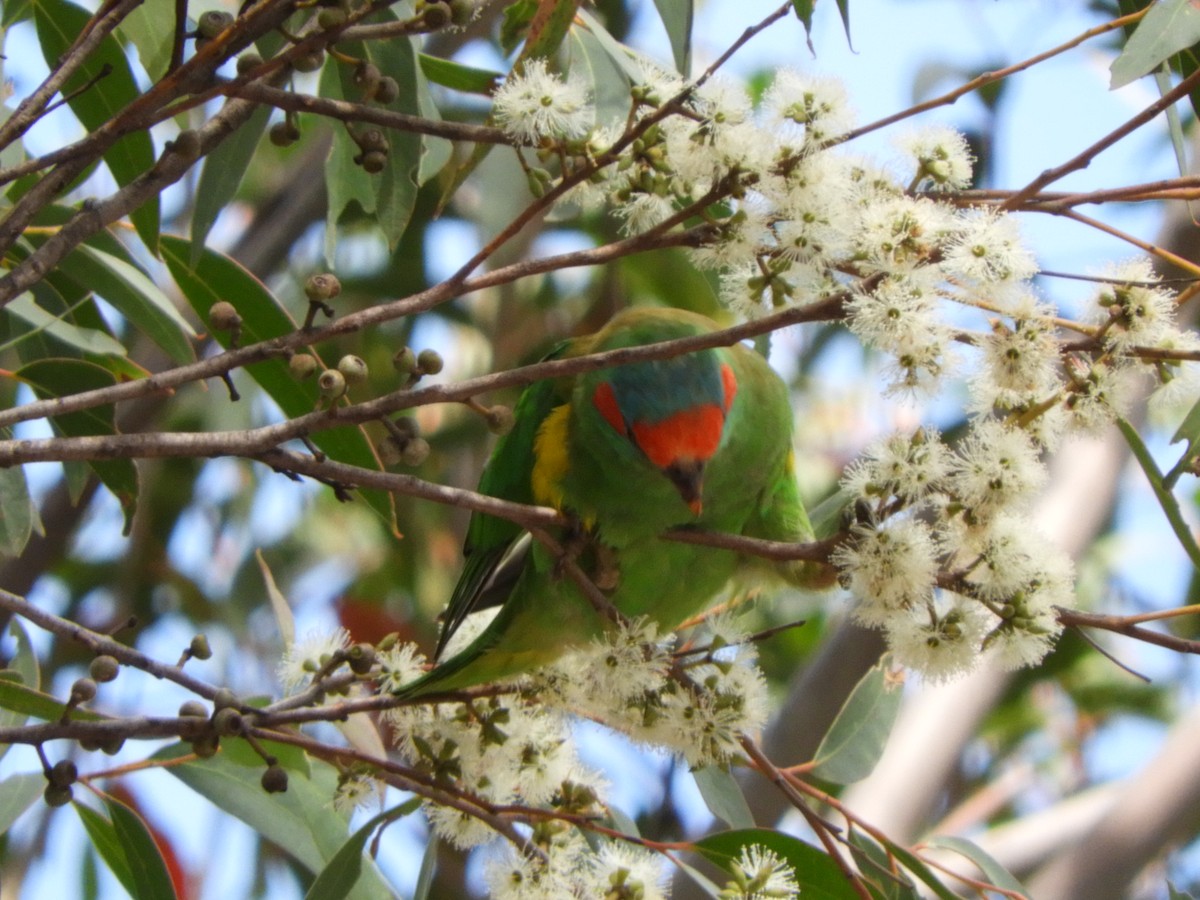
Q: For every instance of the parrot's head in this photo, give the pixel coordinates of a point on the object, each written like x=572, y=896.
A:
x=673, y=411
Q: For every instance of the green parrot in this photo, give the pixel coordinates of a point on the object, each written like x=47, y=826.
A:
x=701, y=440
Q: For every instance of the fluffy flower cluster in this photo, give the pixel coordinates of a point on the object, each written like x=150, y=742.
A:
x=946, y=560
x=623, y=680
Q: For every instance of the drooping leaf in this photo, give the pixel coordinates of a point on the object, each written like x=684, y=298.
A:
x=97, y=92
x=37, y=320
x=17, y=794
x=342, y=872
x=63, y=377
x=389, y=195
x=996, y=873
x=818, y=876
x=301, y=820
x=1189, y=430
x=222, y=174
x=428, y=870
x=458, y=77
x=147, y=871
x=878, y=870
x=134, y=296
x=1168, y=27
x=150, y=27
x=1162, y=492
x=27, y=701
x=17, y=512
x=217, y=277
x=723, y=796
x=279, y=604
x=855, y=741
x=107, y=844
x=677, y=16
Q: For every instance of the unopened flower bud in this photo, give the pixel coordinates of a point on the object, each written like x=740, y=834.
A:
x=104, y=668
x=224, y=698
x=199, y=648
x=499, y=419
x=353, y=369
x=374, y=162
x=303, y=365
x=309, y=62
x=322, y=286
x=227, y=722
x=193, y=709
x=429, y=362
x=360, y=658
x=332, y=384
x=275, y=779
x=405, y=361
x=223, y=317
x=414, y=452
x=83, y=690
x=283, y=134
x=331, y=17
x=57, y=795
x=388, y=90
x=212, y=23
x=63, y=773
x=247, y=62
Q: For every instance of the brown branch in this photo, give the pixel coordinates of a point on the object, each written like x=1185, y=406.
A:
x=32, y=107
x=1121, y=625
x=257, y=442
x=1082, y=159
x=987, y=78
x=345, y=111
x=102, y=644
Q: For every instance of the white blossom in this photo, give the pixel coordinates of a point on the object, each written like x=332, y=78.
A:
x=538, y=103
x=761, y=874
x=942, y=156
x=624, y=870
x=306, y=657
x=888, y=568
x=997, y=466
x=986, y=247
x=817, y=104
x=907, y=467
x=940, y=645
x=1137, y=312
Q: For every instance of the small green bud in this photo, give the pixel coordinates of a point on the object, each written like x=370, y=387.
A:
x=283, y=134
x=112, y=746
x=248, y=62
x=302, y=366
x=63, y=773
x=332, y=384
x=227, y=722
x=360, y=657
x=223, y=317
x=374, y=139
x=374, y=162
x=199, y=648
x=429, y=362
x=309, y=62
x=224, y=698
x=206, y=746
x=499, y=419
x=414, y=452
x=366, y=78
x=388, y=90
x=104, y=668
x=275, y=779
x=323, y=286
x=83, y=690
x=331, y=17
x=353, y=368
x=212, y=23
x=193, y=709
x=405, y=361
x=57, y=795
x=437, y=15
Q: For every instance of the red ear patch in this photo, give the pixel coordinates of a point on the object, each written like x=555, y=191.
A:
x=605, y=401
x=729, y=383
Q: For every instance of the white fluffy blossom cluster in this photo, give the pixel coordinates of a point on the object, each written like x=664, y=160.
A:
x=627, y=680
x=944, y=557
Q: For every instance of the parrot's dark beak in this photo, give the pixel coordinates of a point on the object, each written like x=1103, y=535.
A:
x=688, y=478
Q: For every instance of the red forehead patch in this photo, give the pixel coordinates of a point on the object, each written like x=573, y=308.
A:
x=693, y=434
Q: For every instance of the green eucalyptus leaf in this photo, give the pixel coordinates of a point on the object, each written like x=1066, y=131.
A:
x=677, y=16
x=222, y=175
x=17, y=512
x=147, y=870
x=855, y=741
x=1168, y=27
x=723, y=796
x=62, y=377
x=97, y=92
x=17, y=794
